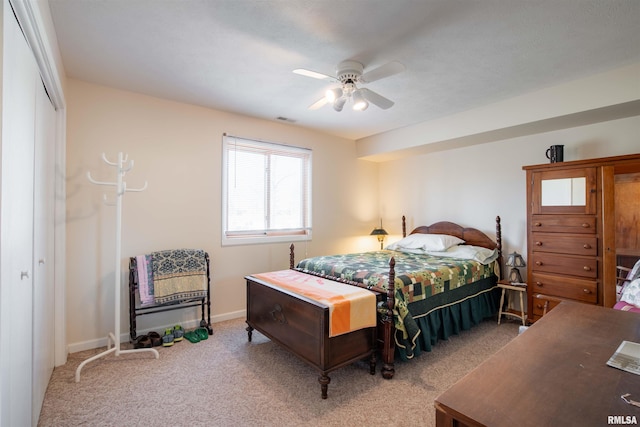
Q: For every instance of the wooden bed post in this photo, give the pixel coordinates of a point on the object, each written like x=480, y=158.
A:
x=404, y=226
x=388, y=327
x=291, y=256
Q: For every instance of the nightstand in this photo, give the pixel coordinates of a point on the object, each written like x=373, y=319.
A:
x=508, y=288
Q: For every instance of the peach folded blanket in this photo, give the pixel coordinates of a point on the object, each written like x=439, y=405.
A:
x=350, y=308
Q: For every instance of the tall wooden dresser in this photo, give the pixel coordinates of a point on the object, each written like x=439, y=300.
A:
x=571, y=231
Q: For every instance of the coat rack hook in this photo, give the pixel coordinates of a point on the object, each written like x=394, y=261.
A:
x=125, y=169
x=144, y=187
x=104, y=159
x=94, y=181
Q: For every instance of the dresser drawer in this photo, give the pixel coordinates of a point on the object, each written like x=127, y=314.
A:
x=565, y=265
x=575, y=245
x=542, y=304
x=563, y=224
x=565, y=287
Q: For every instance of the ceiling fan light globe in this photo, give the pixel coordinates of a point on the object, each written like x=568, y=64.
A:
x=361, y=106
x=339, y=103
x=333, y=94
x=359, y=103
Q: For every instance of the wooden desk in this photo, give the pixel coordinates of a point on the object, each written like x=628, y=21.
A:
x=553, y=374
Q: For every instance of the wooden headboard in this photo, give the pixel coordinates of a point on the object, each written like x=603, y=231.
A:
x=471, y=236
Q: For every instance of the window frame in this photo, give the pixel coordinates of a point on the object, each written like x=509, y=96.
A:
x=304, y=233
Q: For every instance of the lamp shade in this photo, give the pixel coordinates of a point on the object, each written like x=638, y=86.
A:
x=379, y=232
x=515, y=260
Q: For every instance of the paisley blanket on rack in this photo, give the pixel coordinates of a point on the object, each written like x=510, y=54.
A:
x=178, y=275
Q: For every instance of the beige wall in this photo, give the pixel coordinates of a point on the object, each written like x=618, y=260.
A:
x=472, y=185
x=177, y=149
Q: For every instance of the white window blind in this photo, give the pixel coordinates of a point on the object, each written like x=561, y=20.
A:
x=266, y=192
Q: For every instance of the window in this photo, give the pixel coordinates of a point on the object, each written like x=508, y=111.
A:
x=266, y=192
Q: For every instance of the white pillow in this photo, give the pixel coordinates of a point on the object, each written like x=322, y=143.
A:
x=631, y=293
x=469, y=252
x=426, y=242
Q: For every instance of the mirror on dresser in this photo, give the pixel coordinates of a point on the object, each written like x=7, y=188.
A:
x=564, y=191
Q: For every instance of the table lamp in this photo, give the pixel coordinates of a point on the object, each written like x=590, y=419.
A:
x=379, y=233
x=514, y=261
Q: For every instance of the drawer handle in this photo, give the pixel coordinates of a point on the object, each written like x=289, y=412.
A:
x=278, y=315
x=538, y=243
x=539, y=306
x=586, y=291
x=586, y=268
x=585, y=225
x=539, y=284
x=586, y=246
x=537, y=224
x=538, y=263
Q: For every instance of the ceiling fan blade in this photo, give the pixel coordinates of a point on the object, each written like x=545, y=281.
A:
x=376, y=99
x=382, y=71
x=314, y=74
x=318, y=104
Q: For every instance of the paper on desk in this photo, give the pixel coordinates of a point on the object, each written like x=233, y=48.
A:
x=626, y=357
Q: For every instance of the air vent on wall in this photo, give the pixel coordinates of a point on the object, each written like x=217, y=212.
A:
x=285, y=119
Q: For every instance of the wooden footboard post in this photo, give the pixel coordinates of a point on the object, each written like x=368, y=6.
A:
x=291, y=256
x=499, y=244
x=388, y=327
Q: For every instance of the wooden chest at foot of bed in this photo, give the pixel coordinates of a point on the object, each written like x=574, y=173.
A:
x=301, y=325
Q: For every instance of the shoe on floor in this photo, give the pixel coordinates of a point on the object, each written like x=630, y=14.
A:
x=202, y=333
x=192, y=337
x=168, y=338
x=156, y=339
x=143, y=341
x=178, y=333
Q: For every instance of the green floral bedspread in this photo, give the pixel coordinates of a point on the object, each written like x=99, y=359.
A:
x=417, y=277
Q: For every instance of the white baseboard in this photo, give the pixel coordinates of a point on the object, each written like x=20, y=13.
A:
x=124, y=338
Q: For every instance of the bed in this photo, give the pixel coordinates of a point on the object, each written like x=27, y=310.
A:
x=430, y=292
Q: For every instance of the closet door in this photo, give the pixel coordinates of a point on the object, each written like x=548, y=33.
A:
x=19, y=79
x=43, y=248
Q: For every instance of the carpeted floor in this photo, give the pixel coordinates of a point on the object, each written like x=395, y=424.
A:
x=227, y=381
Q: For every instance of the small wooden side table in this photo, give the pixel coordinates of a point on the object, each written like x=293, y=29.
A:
x=506, y=287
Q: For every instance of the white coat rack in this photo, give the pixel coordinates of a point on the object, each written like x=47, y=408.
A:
x=123, y=166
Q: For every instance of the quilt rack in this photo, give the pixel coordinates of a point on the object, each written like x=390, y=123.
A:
x=135, y=310
x=123, y=165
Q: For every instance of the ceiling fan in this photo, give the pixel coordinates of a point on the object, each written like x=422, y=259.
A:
x=349, y=74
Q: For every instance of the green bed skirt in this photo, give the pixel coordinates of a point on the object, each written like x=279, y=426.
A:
x=443, y=315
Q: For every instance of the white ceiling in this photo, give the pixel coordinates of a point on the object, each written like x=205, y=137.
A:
x=238, y=55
